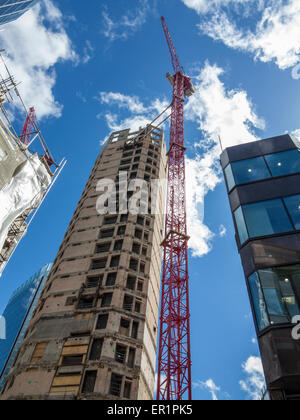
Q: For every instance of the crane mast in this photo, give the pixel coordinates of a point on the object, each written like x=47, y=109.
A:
x=174, y=364
x=31, y=129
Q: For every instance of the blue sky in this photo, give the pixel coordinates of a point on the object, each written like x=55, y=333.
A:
x=94, y=67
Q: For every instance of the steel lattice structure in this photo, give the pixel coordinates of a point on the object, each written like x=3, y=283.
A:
x=174, y=366
x=31, y=129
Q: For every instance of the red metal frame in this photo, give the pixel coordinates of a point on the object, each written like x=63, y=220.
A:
x=30, y=128
x=174, y=366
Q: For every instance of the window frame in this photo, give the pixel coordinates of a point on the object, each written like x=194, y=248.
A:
x=251, y=238
x=264, y=157
x=271, y=323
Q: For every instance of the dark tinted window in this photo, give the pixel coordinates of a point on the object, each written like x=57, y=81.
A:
x=275, y=295
x=284, y=163
x=250, y=170
x=266, y=218
x=293, y=206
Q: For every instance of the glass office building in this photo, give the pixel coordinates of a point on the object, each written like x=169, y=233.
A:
x=263, y=182
x=12, y=9
x=17, y=315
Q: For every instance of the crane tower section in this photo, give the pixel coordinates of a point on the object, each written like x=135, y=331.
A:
x=174, y=365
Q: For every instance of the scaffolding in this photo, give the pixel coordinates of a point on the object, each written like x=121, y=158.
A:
x=28, y=171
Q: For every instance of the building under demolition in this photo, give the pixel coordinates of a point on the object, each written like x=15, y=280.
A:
x=27, y=172
x=94, y=332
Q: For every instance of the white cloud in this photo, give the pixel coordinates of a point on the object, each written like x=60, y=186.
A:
x=216, y=111
x=296, y=133
x=88, y=52
x=34, y=44
x=128, y=24
x=210, y=386
x=254, y=382
x=220, y=112
x=139, y=114
x=222, y=231
x=276, y=37
x=132, y=103
x=205, y=6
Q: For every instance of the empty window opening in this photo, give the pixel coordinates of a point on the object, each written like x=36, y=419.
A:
x=124, y=327
x=89, y=382
x=109, y=233
x=116, y=385
x=120, y=355
x=106, y=300
x=127, y=390
x=140, y=221
x=131, y=282
x=137, y=307
x=121, y=230
x=138, y=233
x=93, y=282
x=110, y=220
x=133, y=175
x=111, y=279
x=140, y=286
x=102, y=322
x=98, y=264
x=118, y=245
x=135, y=329
x=101, y=248
x=134, y=264
x=128, y=303
x=115, y=261
x=124, y=218
x=131, y=358
x=136, y=248
x=96, y=349
x=72, y=360
x=86, y=303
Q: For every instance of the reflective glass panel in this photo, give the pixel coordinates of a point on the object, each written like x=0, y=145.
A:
x=229, y=177
x=258, y=302
x=266, y=218
x=293, y=206
x=284, y=163
x=281, y=301
x=241, y=225
x=250, y=170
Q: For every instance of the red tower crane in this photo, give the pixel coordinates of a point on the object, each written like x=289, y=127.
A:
x=174, y=365
x=31, y=128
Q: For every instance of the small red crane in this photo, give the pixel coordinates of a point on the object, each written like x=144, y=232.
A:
x=31, y=128
x=174, y=364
